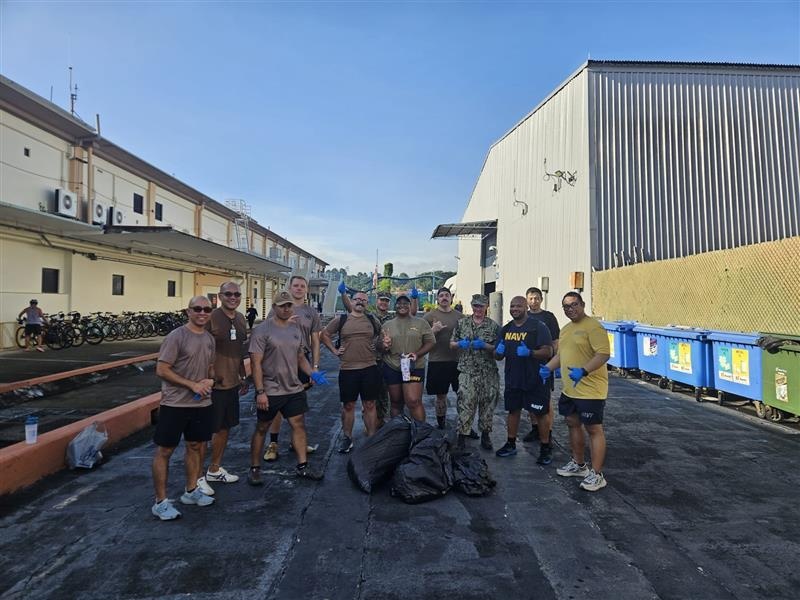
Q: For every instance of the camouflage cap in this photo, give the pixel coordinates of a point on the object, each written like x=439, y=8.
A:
x=386, y=295
x=282, y=298
x=479, y=300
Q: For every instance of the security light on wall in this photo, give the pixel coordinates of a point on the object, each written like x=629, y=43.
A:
x=544, y=284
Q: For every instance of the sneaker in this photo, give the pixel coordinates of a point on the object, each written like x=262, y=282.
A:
x=593, y=481
x=473, y=435
x=573, y=469
x=254, y=476
x=221, y=476
x=308, y=473
x=164, y=510
x=272, y=452
x=545, y=454
x=506, y=450
x=309, y=448
x=203, y=486
x=196, y=496
x=486, y=441
x=40, y=349
x=346, y=445
x=531, y=436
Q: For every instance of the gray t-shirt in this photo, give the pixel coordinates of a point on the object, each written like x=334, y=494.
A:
x=280, y=346
x=190, y=355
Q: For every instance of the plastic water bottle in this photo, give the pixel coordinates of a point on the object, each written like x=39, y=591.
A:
x=31, y=429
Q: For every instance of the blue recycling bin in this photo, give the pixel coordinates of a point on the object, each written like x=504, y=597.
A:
x=689, y=356
x=736, y=364
x=622, y=342
x=651, y=350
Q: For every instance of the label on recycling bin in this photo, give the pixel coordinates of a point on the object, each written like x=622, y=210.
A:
x=649, y=346
x=680, y=357
x=734, y=365
x=781, y=385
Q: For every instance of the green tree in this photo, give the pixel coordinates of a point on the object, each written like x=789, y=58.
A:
x=385, y=285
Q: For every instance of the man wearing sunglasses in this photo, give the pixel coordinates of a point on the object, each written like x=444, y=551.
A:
x=228, y=327
x=276, y=356
x=186, y=368
x=583, y=351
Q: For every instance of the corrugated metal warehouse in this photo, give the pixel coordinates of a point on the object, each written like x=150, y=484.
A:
x=628, y=175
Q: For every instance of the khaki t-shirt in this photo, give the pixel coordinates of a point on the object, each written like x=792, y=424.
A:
x=578, y=343
x=441, y=351
x=228, y=362
x=408, y=335
x=357, y=339
x=280, y=346
x=190, y=355
x=307, y=320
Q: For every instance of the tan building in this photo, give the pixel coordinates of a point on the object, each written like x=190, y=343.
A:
x=85, y=225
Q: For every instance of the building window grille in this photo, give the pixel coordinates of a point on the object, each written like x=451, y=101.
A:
x=171, y=288
x=49, y=281
x=117, y=285
x=159, y=211
x=138, y=204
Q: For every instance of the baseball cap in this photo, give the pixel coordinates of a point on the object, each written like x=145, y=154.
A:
x=402, y=297
x=479, y=300
x=282, y=298
x=443, y=289
x=385, y=295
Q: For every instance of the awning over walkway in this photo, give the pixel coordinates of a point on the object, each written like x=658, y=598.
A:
x=19, y=217
x=165, y=242
x=480, y=228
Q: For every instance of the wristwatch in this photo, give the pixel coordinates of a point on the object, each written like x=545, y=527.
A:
x=259, y=392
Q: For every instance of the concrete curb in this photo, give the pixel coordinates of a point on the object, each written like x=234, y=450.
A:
x=22, y=464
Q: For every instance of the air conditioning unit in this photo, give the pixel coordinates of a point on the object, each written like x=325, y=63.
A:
x=99, y=215
x=66, y=203
x=114, y=217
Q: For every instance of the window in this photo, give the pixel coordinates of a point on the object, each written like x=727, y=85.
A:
x=49, y=281
x=159, y=212
x=138, y=204
x=170, y=288
x=255, y=292
x=26, y=151
x=117, y=285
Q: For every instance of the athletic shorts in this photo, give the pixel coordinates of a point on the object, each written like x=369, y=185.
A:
x=226, y=408
x=193, y=423
x=289, y=405
x=589, y=411
x=392, y=377
x=364, y=382
x=534, y=401
x=441, y=377
x=33, y=329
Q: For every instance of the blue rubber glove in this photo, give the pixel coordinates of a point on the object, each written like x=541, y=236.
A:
x=558, y=373
x=464, y=344
x=342, y=289
x=318, y=377
x=414, y=292
x=544, y=373
x=576, y=374
x=523, y=351
x=500, y=349
x=478, y=344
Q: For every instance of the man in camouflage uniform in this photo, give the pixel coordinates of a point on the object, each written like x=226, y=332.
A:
x=479, y=380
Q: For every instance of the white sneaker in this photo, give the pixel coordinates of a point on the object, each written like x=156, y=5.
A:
x=573, y=469
x=593, y=481
x=202, y=484
x=164, y=510
x=196, y=497
x=221, y=476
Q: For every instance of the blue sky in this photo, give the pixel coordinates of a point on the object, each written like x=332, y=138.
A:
x=350, y=126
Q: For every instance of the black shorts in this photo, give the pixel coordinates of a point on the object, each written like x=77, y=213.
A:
x=33, y=329
x=589, y=411
x=193, y=423
x=441, y=377
x=534, y=401
x=392, y=377
x=226, y=408
x=364, y=382
x=289, y=405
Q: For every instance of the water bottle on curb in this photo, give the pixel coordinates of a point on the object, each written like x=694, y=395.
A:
x=31, y=429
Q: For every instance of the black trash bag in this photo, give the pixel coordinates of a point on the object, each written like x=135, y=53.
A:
x=375, y=460
x=471, y=475
x=427, y=473
x=772, y=344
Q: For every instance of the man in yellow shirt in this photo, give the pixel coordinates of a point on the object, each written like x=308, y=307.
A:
x=583, y=351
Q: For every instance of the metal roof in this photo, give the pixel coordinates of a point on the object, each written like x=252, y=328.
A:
x=448, y=230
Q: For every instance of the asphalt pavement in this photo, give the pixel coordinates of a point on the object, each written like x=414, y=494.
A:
x=699, y=504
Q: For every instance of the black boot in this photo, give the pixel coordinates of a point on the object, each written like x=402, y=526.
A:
x=486, y=442
x=461, y=443
x=440, y=421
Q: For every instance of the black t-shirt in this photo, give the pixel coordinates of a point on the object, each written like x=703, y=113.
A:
x=523, y=373
x=549, y=319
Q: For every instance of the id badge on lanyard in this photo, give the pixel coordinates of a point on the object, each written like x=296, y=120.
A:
x=233, y=333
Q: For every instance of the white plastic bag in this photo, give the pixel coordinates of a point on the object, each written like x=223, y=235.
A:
x=84, y=450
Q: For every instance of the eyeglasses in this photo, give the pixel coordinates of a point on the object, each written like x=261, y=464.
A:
x=199, y=309
x=234, y=294
x=569, y=306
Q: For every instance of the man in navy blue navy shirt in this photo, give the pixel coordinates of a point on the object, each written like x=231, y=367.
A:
x=525, y=342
